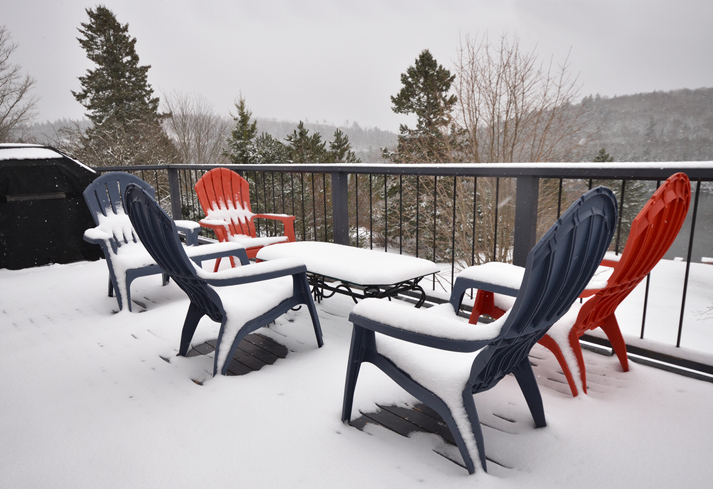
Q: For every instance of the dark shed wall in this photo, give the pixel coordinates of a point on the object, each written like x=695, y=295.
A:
x=43, y=215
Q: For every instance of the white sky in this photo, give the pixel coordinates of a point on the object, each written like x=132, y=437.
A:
x=340, y=61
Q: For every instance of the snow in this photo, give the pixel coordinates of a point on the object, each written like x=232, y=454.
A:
x=408, y=318
x=353, y=265
x=28, y=152
x=87, y=401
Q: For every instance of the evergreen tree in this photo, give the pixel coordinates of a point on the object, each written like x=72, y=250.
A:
x=120, y=104
x=425, y=93
x=304, y=148
x=270, y=150
x=118, y=87
x=603, y=157
x=241, y=143
x=340, y=149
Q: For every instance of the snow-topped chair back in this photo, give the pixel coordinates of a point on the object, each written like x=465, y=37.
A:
x=261, y=298
x=125, y=256
x=225, y=198
x=104, y=197
x=558, y=268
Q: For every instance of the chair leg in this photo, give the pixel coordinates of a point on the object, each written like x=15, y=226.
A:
x=111, y=288
x=193, y=316
x=301, y=287
x=577, y=350
x=473, y=425
x=356, y=355
x=217, y=264
x=484, y=304
x=610, y=326
x=528, y=385
x=552, y=345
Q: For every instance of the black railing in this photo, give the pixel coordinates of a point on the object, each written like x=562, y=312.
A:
x=455, y=214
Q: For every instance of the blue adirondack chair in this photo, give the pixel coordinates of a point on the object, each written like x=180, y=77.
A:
x=442, y=360
x=125, y=257
x=264, y=291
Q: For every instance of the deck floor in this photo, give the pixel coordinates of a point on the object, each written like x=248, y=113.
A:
x=256, y=351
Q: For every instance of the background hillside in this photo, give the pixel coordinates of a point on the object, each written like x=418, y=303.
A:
x=657, y=126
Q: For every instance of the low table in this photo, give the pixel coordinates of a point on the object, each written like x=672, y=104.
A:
x=362, y=273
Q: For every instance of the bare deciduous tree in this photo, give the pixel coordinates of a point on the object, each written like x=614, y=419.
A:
x=514, y=108
x=17, y=104
x=197, y=131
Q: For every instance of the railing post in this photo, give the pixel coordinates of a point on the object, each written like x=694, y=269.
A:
x=528, y=191
x=340, y=207
x=175, y=192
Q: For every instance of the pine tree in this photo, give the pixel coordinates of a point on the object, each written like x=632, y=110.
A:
x=241, y=143
x=304, y=148
x=425, y=93
x=603, y=157
x=270, y=150
x=118, y=87
x=120, y=104
x=340, y=149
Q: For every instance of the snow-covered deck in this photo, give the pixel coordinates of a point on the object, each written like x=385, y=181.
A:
x=89, y=399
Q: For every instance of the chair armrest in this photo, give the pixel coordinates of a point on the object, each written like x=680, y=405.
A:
x=190, y=230
x=214, y=224
x=253, y=273
x=287, y=221
x=97, y=236
x=423, y=327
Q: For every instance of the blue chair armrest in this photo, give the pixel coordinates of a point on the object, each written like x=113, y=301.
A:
x=423, y=327
x=253, y=273
x=190, y=229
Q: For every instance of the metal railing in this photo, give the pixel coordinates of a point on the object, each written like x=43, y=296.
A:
x=455, y=214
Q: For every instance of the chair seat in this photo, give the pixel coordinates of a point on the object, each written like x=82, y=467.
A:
x=247, y=301
x=250, y=242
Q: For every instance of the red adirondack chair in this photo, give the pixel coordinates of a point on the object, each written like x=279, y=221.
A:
x=225, y=198
x=652, y=234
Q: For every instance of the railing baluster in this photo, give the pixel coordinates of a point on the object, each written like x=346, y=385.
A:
x=621, y=217
x=401, y=214
x=371, y=215
x=386, y=214
x=453, y=233
x=418, y=207
x=688, y=263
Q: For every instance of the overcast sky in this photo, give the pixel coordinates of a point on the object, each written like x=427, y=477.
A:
x=339, y=61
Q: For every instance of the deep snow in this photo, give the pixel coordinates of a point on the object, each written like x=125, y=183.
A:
x=87, y=401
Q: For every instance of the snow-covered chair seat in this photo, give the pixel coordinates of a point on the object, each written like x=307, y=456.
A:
x=126, y=257
x=652, y=233
x=225, y=198
x=443, y=361
x=260, y=292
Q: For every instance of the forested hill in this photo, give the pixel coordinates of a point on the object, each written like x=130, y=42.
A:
x=366, y=142
x=658, y=126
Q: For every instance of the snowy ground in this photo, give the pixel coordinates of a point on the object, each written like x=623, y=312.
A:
x=87, y=402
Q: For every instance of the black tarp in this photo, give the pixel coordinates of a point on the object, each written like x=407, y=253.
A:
x=43, y=215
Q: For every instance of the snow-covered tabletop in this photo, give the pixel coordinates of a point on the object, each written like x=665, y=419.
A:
x=354, y=265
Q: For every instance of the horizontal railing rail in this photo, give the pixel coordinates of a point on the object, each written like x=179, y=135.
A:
x=458, y=213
